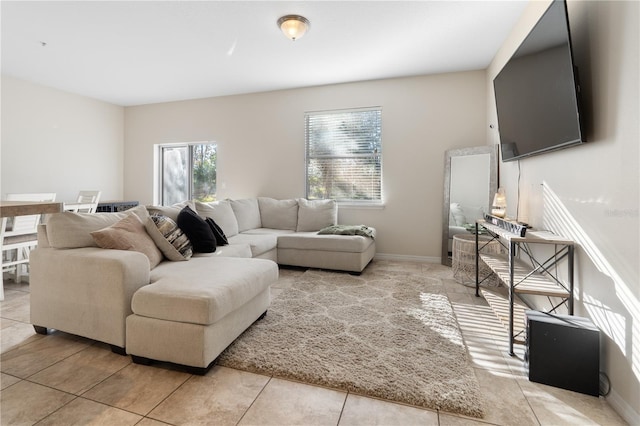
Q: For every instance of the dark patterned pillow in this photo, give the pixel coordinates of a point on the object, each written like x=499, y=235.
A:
x=169, y=238
x=197, y=230
x=221, y=239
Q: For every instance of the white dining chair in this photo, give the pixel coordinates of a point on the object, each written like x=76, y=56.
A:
x=18, y=235
x=87, y=202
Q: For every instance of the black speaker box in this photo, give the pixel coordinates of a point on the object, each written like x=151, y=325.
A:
x=563, y=351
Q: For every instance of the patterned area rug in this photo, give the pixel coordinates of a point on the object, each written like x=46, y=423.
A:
x=389, y=335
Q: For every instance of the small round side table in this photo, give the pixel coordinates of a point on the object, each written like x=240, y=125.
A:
x=464, y=259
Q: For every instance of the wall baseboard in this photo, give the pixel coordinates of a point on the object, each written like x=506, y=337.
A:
x=623, y=408
x=406, y=258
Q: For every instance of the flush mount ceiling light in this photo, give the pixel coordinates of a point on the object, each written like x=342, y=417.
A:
x=293, y=26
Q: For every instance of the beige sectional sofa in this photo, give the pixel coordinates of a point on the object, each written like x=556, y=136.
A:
x=286, y=231
x=183, y=312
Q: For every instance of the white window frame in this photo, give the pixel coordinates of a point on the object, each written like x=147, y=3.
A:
x=377, y=155
x=159, y=167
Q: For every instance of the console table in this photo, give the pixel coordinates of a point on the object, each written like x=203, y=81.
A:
x=523, y=273
x=115, y=206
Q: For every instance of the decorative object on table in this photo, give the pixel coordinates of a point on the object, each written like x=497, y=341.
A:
x=499, y=206
x=512, y=226
x=392, y=335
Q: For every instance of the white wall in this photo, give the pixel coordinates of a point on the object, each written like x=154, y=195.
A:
x=261, y=146
x=53, y=141
x=591, y=192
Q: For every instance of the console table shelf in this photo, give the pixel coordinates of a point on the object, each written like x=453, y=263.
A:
x=525, y=281
x=498, y=300
x=522, y=273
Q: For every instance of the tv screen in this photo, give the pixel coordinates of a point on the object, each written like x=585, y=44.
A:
x=537, y=91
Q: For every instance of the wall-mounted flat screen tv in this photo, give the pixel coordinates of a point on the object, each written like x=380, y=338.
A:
x=537, y=92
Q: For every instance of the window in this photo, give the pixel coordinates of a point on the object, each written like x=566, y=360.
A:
x=344, y=155
x=187, y=171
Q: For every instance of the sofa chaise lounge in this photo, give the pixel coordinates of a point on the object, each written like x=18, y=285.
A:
x=183, y=312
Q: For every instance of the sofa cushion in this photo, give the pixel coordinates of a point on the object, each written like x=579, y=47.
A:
x=222, y=213
x=259, y=243
x=73, y=230
x=197, y=230
x=171, y=211
x=278, y=214
x=129, y=234
x=268, y=231
x=247, y=213
x=313, y=241
x=230, y=250
x=192, y=292
x=313, y=215
x=169, y=238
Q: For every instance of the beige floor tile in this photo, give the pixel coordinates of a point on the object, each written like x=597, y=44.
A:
x=363, y=411
x=25, y=403
x=505, y=403
x=137, y=388
x=453, y=420
x=510, y=397
x=28, y=359
x=224, y=394
x=460, y=298
x=555, y=406
x=84, y=412
x=7, y=380
x=150, y=422
x=454, y=286
x=16, y=306
x=289, y=403
x=10, y=285
x=16, y=333
x=83, y=370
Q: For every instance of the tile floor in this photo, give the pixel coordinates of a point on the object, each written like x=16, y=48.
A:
x=62, y=379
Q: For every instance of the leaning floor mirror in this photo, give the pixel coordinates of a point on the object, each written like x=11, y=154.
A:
x=470, y=181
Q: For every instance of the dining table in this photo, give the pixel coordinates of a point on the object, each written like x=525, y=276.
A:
x=25, y=208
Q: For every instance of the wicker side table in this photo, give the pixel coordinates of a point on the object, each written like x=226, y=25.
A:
x=464, y=259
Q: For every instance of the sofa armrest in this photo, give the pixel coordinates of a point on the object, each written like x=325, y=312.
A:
x=86, y=291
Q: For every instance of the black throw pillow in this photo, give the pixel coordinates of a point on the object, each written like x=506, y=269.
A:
x=221, y=239
x=197, y=230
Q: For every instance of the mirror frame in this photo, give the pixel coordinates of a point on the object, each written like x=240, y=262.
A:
x=493, y=187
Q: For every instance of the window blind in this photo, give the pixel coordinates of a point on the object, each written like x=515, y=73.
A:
x=344, y=155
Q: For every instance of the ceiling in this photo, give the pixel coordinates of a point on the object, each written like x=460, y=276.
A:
x=141, y=52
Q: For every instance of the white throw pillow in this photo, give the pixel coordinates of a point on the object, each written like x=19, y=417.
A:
x=313, y=215
x=247, y=214
x=278, y=214
x=73, y=230
x=222, y=213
